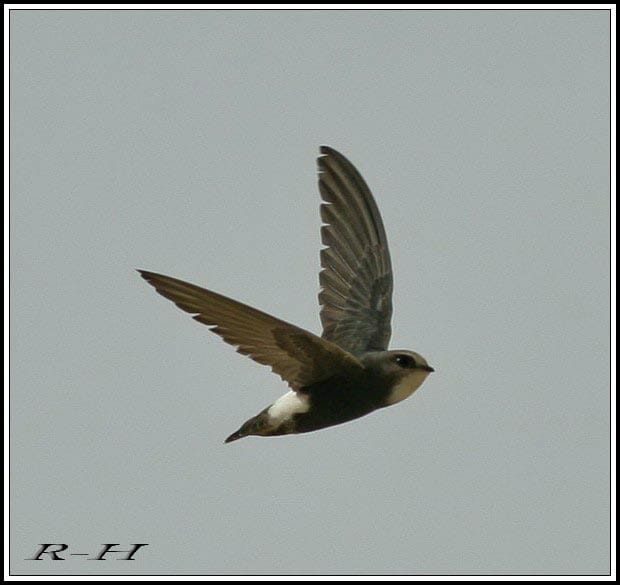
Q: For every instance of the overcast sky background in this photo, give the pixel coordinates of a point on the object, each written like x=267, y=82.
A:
x=184, y=142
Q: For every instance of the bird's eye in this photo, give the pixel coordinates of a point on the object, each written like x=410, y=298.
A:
x=405, y=361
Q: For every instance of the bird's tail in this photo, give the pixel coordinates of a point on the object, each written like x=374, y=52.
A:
x=257, y=425
x=236, y=435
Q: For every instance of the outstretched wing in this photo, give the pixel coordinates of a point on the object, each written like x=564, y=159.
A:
x=356, y=279
x=296, y=355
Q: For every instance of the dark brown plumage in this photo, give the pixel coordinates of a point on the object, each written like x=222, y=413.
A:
x=347, y=372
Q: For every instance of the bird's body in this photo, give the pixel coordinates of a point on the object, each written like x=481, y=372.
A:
x=348, y=372
x=343, y=397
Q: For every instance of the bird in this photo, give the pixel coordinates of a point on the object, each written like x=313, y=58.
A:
x=347, y=372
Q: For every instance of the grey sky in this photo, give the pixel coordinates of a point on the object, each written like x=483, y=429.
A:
x=184, y=142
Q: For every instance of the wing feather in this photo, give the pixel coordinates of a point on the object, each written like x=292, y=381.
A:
x=296, y=355
x=356, y=276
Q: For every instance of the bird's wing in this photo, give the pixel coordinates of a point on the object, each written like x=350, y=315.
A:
x=296, y=355
x=356, y=278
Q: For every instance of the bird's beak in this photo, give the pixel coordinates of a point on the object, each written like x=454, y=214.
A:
x=427, y=368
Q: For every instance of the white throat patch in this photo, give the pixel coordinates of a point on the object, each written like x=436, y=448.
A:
x=407, y=386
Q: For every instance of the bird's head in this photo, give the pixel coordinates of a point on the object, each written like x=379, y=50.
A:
x=403, y=371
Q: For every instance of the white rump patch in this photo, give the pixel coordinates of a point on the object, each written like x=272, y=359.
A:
x=288, y=405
